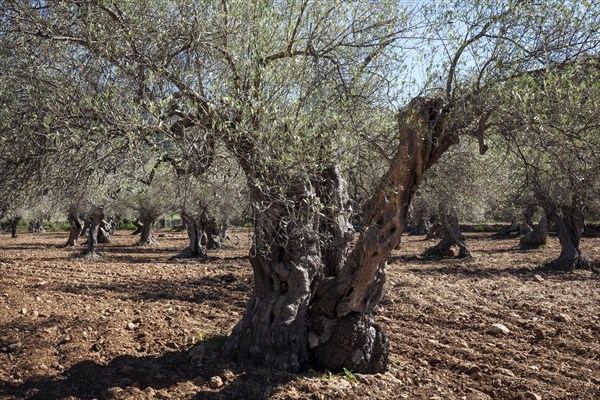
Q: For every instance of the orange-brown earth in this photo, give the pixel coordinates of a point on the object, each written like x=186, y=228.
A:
x=136, y=325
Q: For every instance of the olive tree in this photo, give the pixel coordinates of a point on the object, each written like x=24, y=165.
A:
x=457, y=187
x=553, y=131
x=278, y=83
x=208, y=202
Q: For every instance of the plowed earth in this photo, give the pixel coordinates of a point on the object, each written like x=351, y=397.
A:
x=137, y=325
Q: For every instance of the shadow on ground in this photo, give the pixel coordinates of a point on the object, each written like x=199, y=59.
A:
x=526, y=273
x=222, y=287
x=128, y=376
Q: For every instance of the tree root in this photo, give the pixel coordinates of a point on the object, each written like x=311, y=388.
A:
x=94, y=255
x=357, y=343
x=563, y=264
x=189, y=253
x=147, y=243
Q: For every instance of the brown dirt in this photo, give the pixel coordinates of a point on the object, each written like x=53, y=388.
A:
x=135, y=325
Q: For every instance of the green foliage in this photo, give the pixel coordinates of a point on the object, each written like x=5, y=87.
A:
x=56, y=226
x=553, y=132
x=327, y=374
x=211, y=341
x=125, y=224
x=22, y=226
x=350, y=375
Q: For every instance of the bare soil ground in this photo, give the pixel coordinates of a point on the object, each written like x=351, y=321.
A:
x=135, y=325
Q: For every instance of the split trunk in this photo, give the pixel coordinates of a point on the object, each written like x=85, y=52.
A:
x=312, y=304
x=570, y=224
x=195, y=225
x=450, y=236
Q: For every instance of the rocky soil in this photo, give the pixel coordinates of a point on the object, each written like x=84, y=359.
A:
x=137, y=325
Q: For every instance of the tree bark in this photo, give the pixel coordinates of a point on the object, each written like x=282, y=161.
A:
x=86, y=227
x=224, y=231
x=538, y=235
x=297, y=315
x=335, y=228
x=211, y=233
x=419, y=221
x=434, y=231
x=286, y=262
x=112, y=224
x=147, y=234
x=76, y=227
x=450, y=236
x=139, y=226
x=36, y=226
x=103, y=235
x=195, y=229
x=522, y=224
x=95, y=219
x=569, y=224
x=13, y=226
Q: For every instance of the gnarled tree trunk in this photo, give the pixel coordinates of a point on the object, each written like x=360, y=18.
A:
x=86, y=227
x=211, y=233
x=297, y=315
x=450, y=236
x=521, y=225
x=538, y=235
x=147, y=234
x=13, y=226
x=103, y=235
x=95, y=219
x=335, y=228
x=348, y=299
x=224, y=232
x=36, y=226
x=286, y=261
x=569, y=224
x=76, y=227
x=419, y=221
x=139, y=226
x=195, y=229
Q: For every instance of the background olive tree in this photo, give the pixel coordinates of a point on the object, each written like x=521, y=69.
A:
x=552, y=129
